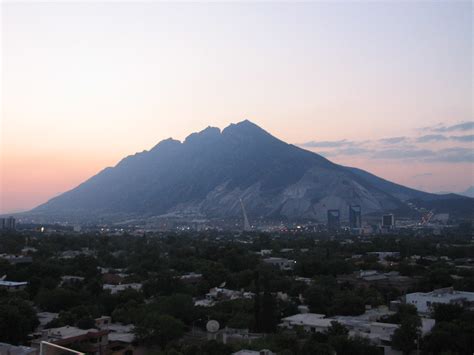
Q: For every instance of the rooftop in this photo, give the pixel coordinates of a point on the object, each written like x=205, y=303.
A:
x=308, y=319
x=13, y=283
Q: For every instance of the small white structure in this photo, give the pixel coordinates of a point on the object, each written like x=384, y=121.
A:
x=424, y=302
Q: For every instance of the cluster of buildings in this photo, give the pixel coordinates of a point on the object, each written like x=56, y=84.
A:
x=355, y=220
x=370, y=324
x=105, y=338
x=219, y=294
x=367, y=325
x=368, y=278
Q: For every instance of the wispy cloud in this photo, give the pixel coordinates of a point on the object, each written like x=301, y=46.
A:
x=468, y=138
x=454, y=155
x=463, y=126
x=393, y=140
x=353, y=151
x=431, y=138
x=432, y=147
x=326, y=144
x=403, y=153
x=422, y=175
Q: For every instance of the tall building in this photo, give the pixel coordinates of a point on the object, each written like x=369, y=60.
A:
x=355, y=216
x=8, y=223
x=333, y=220
x=388, y=221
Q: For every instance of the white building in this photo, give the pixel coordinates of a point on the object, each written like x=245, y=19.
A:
x=424, y=302
x=378, y=333
x=12, y=285
x=311, y=322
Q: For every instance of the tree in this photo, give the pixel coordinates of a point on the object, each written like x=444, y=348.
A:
x=404, y=311
x=17, y=320
x=57, y=299
x=337, y=329
x=446, y=312
x=405, y=337
x=213, y=347
x=312, y=346
x=268, y=313
x=156, y=329
x=180, y=306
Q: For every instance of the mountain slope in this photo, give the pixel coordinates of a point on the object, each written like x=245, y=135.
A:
x=211, y=171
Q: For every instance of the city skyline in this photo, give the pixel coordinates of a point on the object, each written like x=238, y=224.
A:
x=390, y=91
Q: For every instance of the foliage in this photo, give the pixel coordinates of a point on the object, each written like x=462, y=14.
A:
x=17, y=320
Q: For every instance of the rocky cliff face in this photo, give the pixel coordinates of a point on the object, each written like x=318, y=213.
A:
x=208, y=174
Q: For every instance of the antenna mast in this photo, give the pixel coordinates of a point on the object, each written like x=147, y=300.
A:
x=246, y=220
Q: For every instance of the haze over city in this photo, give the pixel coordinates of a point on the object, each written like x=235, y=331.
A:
x=382, y=86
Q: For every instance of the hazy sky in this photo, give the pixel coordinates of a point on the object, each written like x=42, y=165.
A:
x=384, y=86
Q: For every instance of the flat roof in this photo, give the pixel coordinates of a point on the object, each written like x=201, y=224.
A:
x=13, y=283
x=314, y=319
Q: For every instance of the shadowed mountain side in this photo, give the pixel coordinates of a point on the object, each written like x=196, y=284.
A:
x=208, y=174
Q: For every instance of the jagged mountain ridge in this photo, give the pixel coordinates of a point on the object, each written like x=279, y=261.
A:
x=211, y=171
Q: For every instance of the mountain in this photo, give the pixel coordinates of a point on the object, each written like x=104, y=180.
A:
x=211, y=171
x=469, y=192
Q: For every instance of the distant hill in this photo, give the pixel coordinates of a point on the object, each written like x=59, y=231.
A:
x=208, y=174
x=469, y=192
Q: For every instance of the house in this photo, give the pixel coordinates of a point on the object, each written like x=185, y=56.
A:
x=13, y=286
x=217, y=294
x=44, y=318
x=121, y=336
x=16, y=259
x=281, y=263
x=378, y=333
x=424, y=302
x=91, y=341
x=122, y=287
x=311, y=322
x=112, y=279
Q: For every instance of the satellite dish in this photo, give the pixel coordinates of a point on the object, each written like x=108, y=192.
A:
x=212, y=326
